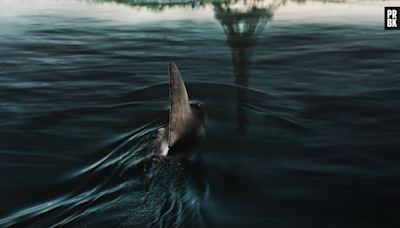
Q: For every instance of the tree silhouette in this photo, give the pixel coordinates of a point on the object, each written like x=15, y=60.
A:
x=242, y=26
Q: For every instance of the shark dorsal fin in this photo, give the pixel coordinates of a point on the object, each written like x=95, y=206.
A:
x=180, y=114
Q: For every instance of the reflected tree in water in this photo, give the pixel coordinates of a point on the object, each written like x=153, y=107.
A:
x=152, y=5
x=243, y=21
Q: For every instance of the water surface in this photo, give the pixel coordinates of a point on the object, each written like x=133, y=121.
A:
x=302, y=99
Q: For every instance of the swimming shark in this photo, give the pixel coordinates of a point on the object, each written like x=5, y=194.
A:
x=186, y=118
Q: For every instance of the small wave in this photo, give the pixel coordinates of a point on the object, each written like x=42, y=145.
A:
x=131, y=185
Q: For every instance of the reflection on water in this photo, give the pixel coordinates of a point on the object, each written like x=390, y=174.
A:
x=157, y=5
x=313, y=97
x=243, y=21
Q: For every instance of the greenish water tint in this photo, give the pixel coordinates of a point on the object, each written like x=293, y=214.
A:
x=302, y=99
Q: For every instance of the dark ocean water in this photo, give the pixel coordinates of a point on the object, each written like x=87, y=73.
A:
x=303, y=102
